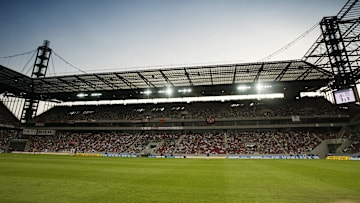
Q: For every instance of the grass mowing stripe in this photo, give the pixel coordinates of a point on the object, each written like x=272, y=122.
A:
x=259, y=181
x=319, y=182
x=41, y=178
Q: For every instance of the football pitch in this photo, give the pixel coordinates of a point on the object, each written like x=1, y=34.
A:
x=51, y=178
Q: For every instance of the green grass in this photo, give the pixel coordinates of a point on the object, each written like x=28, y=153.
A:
x=46, y=178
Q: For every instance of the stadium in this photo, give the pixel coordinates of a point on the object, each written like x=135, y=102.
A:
x=265, y=131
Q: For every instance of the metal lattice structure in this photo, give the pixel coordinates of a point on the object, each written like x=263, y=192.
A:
x=39, y=71
x=337, y=50
x=227, y=74
x=128, y=84
x=334, y=56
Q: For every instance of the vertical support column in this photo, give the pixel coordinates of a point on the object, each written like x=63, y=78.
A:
x=39, y=70
x=42, y=60
x=336, y=51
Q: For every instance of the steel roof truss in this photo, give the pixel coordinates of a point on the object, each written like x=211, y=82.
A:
x=109, y=84
x=48, y=83
x=259, y=72
x=166, y=78
x=146, y=80
x=127, y=82
x=188, y=77
x=234, y=75
x=304, y=74
x=86, y=82
x=282, y=73
x=71, y=84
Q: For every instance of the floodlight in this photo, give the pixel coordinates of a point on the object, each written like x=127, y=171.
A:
x=184, y=90
x=147, y=92
x=260, y=86
x=96, y=94
x=243, y=87
x=82, y=95
x=169, y=91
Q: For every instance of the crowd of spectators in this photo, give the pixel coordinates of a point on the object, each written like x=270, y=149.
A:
x=297, y=142
x=84, y=142
x=280, y=142
x=249, y=142
x=253, y=142
x=283, y=107
x=195, y=110
x=167, y=143
x=6, y=135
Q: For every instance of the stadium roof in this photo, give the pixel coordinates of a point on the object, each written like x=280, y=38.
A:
x=315, y=70
x=126, y=82
x=14, y=82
